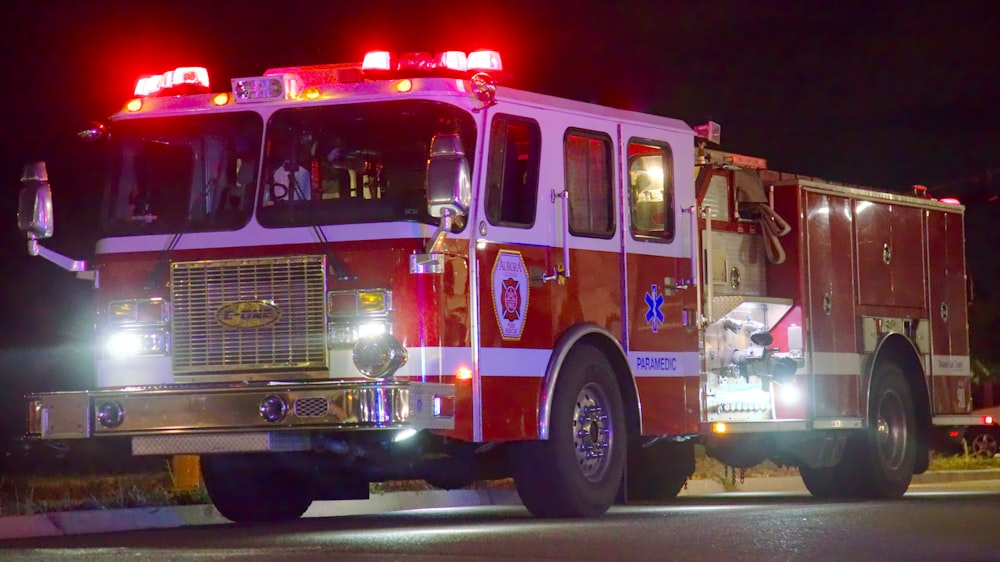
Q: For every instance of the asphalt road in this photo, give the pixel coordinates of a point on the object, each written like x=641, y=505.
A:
x=933, y=522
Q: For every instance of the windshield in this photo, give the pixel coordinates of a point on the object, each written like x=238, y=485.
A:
x=354, y=163
x=182, y=174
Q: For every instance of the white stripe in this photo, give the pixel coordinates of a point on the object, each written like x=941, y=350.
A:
x=519, y=362
x=826, y=363
x=664, y=364
x=420, y=361
x=255, y=235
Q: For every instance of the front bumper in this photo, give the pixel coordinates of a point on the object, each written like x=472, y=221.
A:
x=220, y=409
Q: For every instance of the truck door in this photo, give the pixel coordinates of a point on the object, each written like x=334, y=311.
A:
x=512, y=253
x=548, y=253
x=660, y=335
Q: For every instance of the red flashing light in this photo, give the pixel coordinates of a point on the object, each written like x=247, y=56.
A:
x=987, y=420
x=485, y=61
x=950, y=201
x=377, y=60
x=190, y=79
x=446, y=63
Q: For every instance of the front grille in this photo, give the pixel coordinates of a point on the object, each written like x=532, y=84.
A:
x=292, y=334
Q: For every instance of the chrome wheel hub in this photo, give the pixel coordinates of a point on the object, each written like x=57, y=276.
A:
x=592, y=432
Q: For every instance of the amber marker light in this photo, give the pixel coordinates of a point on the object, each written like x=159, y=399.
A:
x=311, y=93
x=719, y=427
x=222, y=98
x=463, y=374
x=404, y=85
x=134, y=104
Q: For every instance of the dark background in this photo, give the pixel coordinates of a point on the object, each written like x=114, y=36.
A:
x=882, y=94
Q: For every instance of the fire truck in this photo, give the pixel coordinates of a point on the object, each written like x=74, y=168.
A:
x=327, y=276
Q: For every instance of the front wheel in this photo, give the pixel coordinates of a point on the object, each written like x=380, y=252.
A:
x=256, y=488
x=578, y=470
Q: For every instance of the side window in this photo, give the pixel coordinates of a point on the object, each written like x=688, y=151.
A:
x=512, y=171
x=651, y=190
x=588, y=181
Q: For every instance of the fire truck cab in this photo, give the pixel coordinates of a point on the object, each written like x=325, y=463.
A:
x=333, y=275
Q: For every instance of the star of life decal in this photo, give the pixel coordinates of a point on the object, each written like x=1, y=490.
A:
x=510, y=293
x=654, y=304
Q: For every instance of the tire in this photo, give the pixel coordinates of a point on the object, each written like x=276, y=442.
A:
x=878, y=462
x=255, y=489
x=658, y=472
x=578, y=470
x=983, y=443
x=888, y=450
x=834, y=482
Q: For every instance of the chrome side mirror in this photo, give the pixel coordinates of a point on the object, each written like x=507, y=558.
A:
x=449, y=189
x=34, y=209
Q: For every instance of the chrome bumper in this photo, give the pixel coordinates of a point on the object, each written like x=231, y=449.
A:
x=324, y=405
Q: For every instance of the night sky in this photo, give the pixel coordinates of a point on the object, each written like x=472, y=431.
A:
x=884, y=94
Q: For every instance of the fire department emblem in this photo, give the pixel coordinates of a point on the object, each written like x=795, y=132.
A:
x=510, y=293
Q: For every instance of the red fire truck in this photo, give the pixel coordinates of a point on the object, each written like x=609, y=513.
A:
x=332, y=275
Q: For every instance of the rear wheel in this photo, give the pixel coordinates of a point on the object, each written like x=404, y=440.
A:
x=890, y=447
x=256, y=488
x=836, y=482
x=578, y=470
x=878, y=462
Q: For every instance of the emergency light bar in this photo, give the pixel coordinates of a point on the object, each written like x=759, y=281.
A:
x=183, y=77
x=447, y=63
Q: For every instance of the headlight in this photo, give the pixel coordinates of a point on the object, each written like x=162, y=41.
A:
x=138, y=327
x=126, y=343
x=378, y=356
x=355, y=314
x=347, y=333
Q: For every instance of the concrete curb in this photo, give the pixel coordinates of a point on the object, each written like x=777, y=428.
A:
x=118, y=520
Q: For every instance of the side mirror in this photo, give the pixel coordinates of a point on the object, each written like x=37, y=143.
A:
x=34, y=209
x=449, y=189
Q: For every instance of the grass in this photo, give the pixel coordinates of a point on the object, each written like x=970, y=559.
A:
x=28, y=495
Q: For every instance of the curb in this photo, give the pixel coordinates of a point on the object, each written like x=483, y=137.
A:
x=132, y=519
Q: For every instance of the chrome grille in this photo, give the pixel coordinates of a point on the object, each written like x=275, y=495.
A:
x=313, y=407
x=295, y=286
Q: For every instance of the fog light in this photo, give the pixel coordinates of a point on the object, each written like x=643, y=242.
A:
x=110, y=414
x=378, y=355
x=273, y=409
